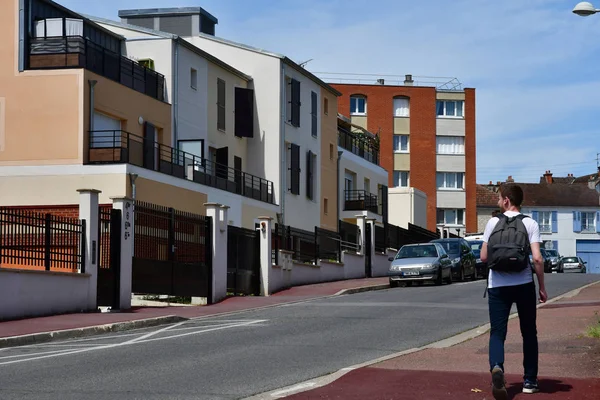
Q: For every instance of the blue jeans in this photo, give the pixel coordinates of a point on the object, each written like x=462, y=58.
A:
x=500, y=301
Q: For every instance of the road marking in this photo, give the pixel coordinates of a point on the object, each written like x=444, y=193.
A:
x=142, y=339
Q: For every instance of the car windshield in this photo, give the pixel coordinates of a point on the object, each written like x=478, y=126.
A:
x=570, y=260
x=417, y=251
x=552, y=253
x=452, y=248
x=476, y=247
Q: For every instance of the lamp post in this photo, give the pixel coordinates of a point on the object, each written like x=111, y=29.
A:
x=585, y=9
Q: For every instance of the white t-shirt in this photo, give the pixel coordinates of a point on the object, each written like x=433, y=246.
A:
x=497, y=278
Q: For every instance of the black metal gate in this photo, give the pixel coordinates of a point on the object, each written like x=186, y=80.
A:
x=172, y=252
x=108, y=258
x=368, y=246
x=243, y=261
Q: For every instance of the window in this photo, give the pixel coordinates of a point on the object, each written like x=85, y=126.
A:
x=401, y=178
x=326, y=205
x=450, y=108
x=358, y=105
x=449, y=216
x=451, y=180
x=244, y=112
x=294, y=168
x=313, y=113
x=401, y=107
x=367, y=185
x=194, y=150
x=588, y=223
x=220, y=104
x=545, y=221
x=293, y=102
x=401, y=143
x=106, y=132
x=450, y=144
x=193, y=78
x=325, y=105
x=310, y=171
x=348, y=181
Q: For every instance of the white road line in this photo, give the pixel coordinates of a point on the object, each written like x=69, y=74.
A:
x=144, y=339
x=293, y=389
x=150, y=334
x=34, y=354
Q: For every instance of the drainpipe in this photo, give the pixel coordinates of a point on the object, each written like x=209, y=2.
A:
x=92, y=106
x=175, y=99
x=282, y=149
x=338, y=185
x=132, y=178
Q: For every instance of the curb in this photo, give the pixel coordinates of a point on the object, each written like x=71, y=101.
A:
x=44, y=337
x=327, y=379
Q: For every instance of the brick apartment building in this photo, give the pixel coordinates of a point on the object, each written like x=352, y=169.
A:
x=427, y=138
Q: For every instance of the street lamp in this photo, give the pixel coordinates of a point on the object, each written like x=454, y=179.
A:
x=585, y=9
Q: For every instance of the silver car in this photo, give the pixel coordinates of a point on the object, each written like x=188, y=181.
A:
x=574, y=264
x=420, y=262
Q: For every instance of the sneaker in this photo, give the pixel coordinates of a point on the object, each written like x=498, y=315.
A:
x=530, y=386
x=498, y=384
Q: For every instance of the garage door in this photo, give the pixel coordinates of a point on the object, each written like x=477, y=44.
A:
x=106, y=131
x=589, y=251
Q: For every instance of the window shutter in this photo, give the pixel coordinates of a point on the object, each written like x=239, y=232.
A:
x=295, y=169
x=554, y=222
x=220, y=104
x=313, y=113
x=576, y=221
x=598, y=221
x=555, y=245
x=244, y=112
x=383, y=202
x=295, y=120
x=535, y=216
x=309, y=175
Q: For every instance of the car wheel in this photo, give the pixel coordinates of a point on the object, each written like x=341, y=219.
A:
x=393, y=283
x=462, y=274
x=439, y=280
x=449, y=279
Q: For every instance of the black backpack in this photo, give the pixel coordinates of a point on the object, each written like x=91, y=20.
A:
x=508, y=245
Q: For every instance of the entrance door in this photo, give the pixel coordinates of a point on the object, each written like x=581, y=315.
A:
x=108, y=258
x=243, y=261
x=368, y=246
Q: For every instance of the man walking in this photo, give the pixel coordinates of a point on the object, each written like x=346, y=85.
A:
x=508, y=240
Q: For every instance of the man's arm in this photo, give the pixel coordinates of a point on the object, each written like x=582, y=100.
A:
x=483, y=253
x=538, y=263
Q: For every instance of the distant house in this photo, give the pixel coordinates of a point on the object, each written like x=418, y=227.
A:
x=568, y=215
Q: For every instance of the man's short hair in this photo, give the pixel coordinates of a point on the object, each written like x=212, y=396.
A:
x=512, y=192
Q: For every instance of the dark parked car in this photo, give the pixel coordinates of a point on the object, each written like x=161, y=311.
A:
x=463, y=259
x=545, y=259
x=556, y=263
x=480, y=266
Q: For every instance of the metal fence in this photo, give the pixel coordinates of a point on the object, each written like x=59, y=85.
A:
x=394, y=237
x=350, y=236
x=306, y=246
x=37, y=241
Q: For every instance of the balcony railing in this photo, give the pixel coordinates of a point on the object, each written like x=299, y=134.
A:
x=361, y=147
x=79, y=52
x=359, y=200
x=116, y=147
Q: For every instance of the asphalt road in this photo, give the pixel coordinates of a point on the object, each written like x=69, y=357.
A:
x=251, y=352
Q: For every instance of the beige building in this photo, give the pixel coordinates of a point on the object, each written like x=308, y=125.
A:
x=103, y=120
x=329, y=161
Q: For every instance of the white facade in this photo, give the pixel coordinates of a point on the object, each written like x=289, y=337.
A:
x=364, y=176
x=407, y=205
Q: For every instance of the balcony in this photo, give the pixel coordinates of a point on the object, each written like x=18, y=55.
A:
x=118, y=147
x=360, y=200
x=79, y=52
x=362, y=147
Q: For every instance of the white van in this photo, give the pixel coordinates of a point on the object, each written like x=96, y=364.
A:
x=474, y=236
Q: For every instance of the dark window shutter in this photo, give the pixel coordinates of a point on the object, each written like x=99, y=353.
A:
x=313, y=113
x=244, y=112
x=295, y=120
x=309, y=175
x=222, y=159
x=220, y=104
x=295, y=169
x=149, y=146
x=237, y=173
x=383, y=201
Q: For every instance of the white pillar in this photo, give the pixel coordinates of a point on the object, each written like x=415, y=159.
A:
x=265, y=225
x=218, y=281
x=361, y=221
x=125, y=204
x=88, y=211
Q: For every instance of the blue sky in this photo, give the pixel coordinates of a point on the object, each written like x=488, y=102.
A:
x=535, y=65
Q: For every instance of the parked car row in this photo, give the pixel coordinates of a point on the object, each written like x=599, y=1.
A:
x=446, y=260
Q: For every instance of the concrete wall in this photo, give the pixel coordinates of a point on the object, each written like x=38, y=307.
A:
x=26, y=294
x=380, y=263
x=407, y=205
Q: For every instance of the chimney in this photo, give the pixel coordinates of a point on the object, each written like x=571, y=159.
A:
x=548, y=177
x=381, y=81
x=498, y=183
x=510, y=179
x=181, y=21
x=490, y=183
x=408, y=80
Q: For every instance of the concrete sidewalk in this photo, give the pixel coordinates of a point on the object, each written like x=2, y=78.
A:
x=569, y=363
x=44, y=329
